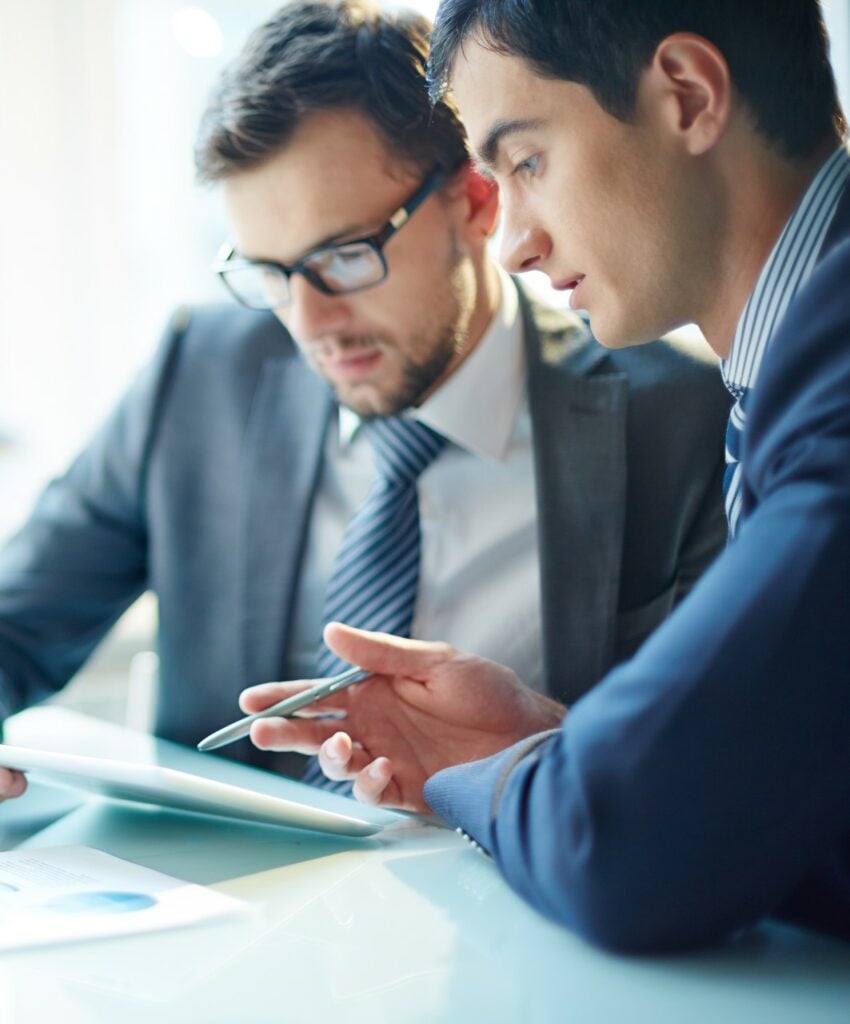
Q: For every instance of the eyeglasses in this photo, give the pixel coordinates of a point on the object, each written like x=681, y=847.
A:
x=332, y=269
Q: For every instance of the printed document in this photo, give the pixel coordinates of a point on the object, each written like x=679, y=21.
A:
x=71, y=893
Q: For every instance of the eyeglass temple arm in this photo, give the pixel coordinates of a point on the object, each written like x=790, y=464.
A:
x=403, y=214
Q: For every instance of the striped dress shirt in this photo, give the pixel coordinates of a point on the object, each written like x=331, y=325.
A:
x=788, y=267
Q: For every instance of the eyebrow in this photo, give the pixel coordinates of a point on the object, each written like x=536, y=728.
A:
x=348, y=234
x=489, y=148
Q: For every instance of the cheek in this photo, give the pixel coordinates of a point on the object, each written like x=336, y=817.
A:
x=283, y=318
x=416, y=278
x=626, y=224
x=522, y=206
x=567, y=204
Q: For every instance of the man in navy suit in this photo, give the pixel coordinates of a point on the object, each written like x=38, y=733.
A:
x=668, y=161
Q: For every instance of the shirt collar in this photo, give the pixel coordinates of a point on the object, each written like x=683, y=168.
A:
x=787, y=269
x=477, y=406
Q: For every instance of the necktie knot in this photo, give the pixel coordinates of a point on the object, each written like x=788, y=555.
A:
x=402, y=448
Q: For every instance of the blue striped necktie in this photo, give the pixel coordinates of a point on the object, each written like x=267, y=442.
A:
x=732, y=493
x=375, y=576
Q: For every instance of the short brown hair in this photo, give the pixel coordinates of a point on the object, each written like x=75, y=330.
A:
x=317, y=56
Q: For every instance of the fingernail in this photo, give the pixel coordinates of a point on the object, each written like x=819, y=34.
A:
x=336, y=748
x=376, y=770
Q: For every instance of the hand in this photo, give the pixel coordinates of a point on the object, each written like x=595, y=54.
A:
x=427, y=707
x=12, y=783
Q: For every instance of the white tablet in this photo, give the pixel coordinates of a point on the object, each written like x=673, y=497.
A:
x=167, y=787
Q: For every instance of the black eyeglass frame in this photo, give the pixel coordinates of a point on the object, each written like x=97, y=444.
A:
x=227, y=261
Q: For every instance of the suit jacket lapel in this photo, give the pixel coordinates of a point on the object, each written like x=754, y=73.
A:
x=284, y=446
x=578, y=413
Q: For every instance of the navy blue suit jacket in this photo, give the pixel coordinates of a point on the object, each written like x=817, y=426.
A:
x=706, y=783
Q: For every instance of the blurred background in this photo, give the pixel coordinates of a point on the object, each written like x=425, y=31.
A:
x=103, y=232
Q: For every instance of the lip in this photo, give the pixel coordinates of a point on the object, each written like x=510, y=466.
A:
x=353, y=367
x=572, y=285
x=575, y=301
x=566, y=284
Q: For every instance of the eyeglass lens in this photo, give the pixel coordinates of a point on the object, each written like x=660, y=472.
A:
x=340, y=269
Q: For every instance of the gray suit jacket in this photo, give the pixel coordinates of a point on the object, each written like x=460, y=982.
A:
x=200, y=485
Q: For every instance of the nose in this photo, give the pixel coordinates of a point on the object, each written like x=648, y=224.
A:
x=524, y=245
x=311, y=315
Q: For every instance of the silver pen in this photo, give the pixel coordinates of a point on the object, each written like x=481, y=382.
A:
x=284, y=708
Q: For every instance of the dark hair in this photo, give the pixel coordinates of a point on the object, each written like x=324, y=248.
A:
x=317, y=56
x=777, y=52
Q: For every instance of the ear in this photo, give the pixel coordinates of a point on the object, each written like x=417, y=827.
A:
x=478, y=200
x=692, y=78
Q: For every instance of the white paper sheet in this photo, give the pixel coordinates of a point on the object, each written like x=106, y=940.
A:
x=71, y=893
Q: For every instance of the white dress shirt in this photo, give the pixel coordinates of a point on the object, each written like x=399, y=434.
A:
x=479, y=580
x=789, y=266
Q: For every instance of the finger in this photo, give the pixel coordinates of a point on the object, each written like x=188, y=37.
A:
x=372, y=781
x=12, y=783
x=385, y=654
x=335, y=756
x=319, y=710
x=258, y=698
x=301, y=735
x=340, y=760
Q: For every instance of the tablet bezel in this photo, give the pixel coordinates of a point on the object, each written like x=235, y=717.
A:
x=180, y=790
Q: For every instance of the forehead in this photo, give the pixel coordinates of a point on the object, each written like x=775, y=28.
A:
x=334, y=173
x=494, y=89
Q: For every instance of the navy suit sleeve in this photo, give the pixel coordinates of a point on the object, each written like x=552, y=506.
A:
x=81, y=558
x=706, y=783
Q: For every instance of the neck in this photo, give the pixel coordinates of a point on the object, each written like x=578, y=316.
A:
x=484, y=291
x=488, y=296
x=761, y=196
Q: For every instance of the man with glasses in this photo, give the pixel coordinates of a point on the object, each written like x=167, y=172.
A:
x=392, y=432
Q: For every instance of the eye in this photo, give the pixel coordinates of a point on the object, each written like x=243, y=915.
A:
x=348, y=256
x=528, y=167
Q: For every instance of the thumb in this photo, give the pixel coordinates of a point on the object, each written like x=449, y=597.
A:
x=384, y=654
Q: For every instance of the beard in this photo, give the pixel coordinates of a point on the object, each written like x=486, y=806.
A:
x=426, y=355
x=417, y=378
